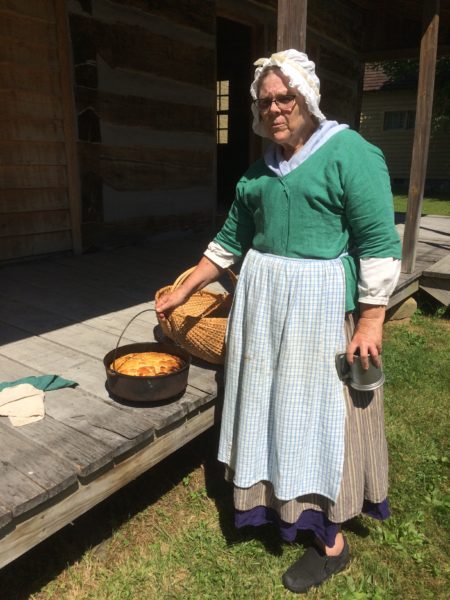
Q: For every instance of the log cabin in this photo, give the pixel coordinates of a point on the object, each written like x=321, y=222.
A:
x=122, y=119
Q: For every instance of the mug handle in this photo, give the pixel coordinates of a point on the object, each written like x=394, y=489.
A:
x=342, y=366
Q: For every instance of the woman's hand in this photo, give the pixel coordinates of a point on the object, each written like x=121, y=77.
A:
x=368, y=335
x=165, y=305
x=205, y=272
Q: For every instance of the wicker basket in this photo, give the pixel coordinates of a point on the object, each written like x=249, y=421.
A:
x=199, y=325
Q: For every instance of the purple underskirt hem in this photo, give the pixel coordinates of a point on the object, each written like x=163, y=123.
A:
x=310, y=519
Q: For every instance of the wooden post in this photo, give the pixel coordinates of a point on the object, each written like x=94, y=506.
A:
x=69, y=123
x=428, y=51
x=291, y=30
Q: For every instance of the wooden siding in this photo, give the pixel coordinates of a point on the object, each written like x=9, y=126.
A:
x=397, y=144
x=34, y=201
x=333, y=42
x=145, y=99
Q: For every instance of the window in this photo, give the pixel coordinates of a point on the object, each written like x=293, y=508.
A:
x=399, y=119
x=222, y=111
x=410, y=119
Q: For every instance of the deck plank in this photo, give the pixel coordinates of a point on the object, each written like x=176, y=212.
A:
x=109, y=431
x=24, y=461
x=86, y=455
x=119, y=430
x=76, y=336
x=128, y=285
x=428, y=253
x=204, y=377
x=440, y=269
x=139, y=279
x=34, y=460
x=440, y=292
x=62, y=318
x=48, y=356
x=76, y=345
x=50, y=519
x=18, y=493
x=74, y=296
x=47, y=315
x=5, y=516
x=168, y=258
x=83, y=307
x=84, y=413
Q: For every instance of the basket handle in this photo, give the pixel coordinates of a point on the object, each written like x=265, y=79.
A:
x=182, y=278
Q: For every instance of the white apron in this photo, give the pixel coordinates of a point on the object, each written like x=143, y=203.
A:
x=284, y=410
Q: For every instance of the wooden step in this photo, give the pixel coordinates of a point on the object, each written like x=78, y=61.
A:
x=440, y=270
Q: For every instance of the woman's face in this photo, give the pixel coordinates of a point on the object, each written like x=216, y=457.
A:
x=288, y=127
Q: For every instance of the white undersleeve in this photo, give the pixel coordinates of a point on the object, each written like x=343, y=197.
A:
x=221, y=257
x=377, y=279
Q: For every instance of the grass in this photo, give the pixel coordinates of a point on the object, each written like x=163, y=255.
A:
x=431, y=205
x=169, y=535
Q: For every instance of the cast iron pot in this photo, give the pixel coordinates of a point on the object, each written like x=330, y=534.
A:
x=147, y=389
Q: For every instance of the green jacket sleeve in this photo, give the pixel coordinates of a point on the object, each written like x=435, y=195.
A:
x=238, y=231
x=368, y=201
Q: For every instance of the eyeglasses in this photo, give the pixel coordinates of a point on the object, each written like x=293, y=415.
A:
x=283, y=101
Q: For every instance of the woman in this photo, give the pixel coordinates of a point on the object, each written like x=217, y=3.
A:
x=314, y=220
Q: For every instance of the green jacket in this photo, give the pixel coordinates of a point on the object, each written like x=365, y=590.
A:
x=337, y=201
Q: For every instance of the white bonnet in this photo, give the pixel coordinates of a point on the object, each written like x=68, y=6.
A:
x=301, y=75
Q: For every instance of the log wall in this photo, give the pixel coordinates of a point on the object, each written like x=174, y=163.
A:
x=145, y=101
x=333, y=42
x=35, y=216
x=144, y=86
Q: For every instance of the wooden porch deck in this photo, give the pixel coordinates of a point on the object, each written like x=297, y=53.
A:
x=62, y=315
x=432, y=270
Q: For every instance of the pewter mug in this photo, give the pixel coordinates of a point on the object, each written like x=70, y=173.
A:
x=363, y=380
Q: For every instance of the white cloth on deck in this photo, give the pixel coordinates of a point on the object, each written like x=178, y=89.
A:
x=22, y=404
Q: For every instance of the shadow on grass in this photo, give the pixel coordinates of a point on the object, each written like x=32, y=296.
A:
x=431, y=307
x=222, y=493
x=400, y=218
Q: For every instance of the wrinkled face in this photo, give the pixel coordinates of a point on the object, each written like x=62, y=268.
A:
x=290, y=126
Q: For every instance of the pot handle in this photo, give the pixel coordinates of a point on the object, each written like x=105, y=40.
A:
x=125, y=328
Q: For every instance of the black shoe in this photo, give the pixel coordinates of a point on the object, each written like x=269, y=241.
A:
x=313, y=568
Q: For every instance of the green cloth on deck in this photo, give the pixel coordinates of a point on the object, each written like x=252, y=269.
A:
x=41, y=382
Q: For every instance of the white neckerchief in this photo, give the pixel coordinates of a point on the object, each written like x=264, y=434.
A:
x=273, y=156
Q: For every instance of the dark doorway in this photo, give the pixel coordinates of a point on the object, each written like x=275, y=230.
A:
x=234, y=70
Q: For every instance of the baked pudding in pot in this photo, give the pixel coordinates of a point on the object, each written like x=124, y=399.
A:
x=147, y=364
